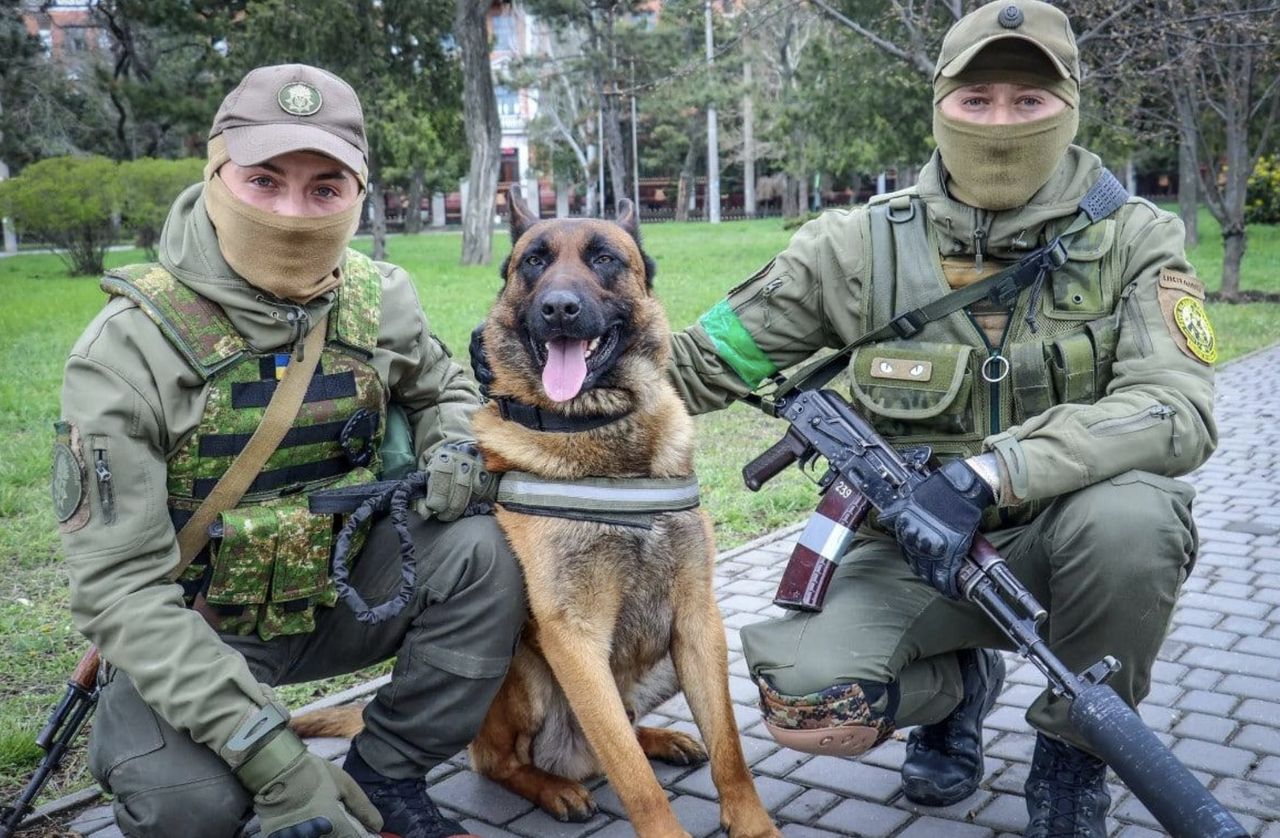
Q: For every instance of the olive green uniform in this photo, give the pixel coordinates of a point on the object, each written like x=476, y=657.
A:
x=176, y=690
x=1106, y=396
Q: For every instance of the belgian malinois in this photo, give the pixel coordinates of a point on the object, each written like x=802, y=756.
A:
x=622, y=614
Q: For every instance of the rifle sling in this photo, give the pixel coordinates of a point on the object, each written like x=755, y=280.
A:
x=1103, y=198
x=276, y=422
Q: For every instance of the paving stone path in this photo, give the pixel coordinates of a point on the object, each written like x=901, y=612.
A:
x=1215, y=698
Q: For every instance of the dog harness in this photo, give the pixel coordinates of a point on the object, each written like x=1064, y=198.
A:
x=624, y=501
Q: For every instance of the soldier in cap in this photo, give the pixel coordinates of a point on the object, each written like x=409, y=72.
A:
x=1062, y=411
x=163, y=392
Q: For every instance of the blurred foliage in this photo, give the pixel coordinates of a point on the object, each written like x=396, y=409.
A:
x=1263, y=204
x=69, y=202
x=148, y=187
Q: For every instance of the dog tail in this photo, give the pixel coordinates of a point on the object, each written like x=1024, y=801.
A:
x=344, y=722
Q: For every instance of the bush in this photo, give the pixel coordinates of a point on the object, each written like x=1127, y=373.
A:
x=1262, y=201
x=149, y=187
x=69, y=203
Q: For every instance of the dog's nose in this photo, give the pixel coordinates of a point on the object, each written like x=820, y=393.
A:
x=560, y=308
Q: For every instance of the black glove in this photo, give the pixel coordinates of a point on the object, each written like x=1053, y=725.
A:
x=479, y=362
x=936, y=523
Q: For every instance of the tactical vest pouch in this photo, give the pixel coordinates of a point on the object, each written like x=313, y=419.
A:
x=1083, y=288
x=1073, y=368
x=1029, y=377
x=397, y=454
x=270, y=565
x=914, y=387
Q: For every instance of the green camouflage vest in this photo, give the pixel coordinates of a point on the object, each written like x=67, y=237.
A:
x=949, y=387
x=269, y=569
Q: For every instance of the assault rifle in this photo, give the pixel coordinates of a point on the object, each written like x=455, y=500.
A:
x=76, y=705
x=865, y=471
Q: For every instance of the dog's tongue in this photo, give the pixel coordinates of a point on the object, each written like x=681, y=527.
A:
x=566, y=368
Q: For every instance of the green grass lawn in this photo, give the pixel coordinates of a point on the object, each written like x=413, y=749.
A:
x=45, y=311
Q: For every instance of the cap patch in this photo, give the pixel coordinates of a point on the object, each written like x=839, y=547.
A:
x=299, y=98
x=1010, y=17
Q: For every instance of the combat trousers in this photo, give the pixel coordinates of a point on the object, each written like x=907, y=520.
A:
x=453, y=643
x=1106, y=561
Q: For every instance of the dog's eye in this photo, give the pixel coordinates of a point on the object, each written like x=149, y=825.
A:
x=534, y=261
x=603, y=259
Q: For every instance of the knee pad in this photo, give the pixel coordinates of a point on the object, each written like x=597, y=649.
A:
x=843, y=720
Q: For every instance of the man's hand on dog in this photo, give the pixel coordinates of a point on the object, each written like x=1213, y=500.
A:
x=936, y=523
x=456, y=479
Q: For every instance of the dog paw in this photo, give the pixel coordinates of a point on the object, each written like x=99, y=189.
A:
x=567, y=801
x=671, y=746
x=758, y=827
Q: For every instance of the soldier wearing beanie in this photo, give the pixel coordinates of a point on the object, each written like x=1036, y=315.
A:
x=163, y=392
x=1062, y=411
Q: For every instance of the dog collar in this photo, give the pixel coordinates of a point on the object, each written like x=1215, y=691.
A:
x=537, y=419
x=601, y=495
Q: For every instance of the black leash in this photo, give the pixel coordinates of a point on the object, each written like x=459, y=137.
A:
x=361, y=503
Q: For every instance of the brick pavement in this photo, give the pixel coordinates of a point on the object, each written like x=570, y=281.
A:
x=1215, y=697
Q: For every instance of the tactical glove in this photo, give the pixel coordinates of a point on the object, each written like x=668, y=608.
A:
x=479, y=361
x=936, y=523
x=456, y=479
x=307, y=797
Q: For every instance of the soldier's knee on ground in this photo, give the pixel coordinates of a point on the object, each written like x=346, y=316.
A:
x=846, y=719
x=1136, y=524
x=215, y=807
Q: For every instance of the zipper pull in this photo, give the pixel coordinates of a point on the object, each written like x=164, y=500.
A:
x=1167, y=411
x=106, y=495
x=298, y=317
x=978, y=235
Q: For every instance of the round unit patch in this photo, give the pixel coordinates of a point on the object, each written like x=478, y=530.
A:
x=1193, y=322
x=68, y=482
x=299, y=98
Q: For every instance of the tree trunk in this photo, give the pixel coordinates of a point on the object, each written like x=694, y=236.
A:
x=10, y=237
x=748, y=141
x=615, y=150
x=789, y=202
x=413, y=213
x=684, y=187
x=378, y=227
x=484, y=130
x=802, y=194
x=1189, y=187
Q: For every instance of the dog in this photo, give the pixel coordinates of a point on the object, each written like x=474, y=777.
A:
x=622, y=608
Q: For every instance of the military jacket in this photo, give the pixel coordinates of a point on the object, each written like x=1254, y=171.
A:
x=130, y=392
x=1109, y=378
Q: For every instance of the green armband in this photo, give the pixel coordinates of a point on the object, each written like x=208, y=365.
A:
x=734, y=344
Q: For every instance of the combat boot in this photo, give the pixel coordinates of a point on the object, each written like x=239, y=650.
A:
x=944, y=759
x=1066, y=792
x=406, y=809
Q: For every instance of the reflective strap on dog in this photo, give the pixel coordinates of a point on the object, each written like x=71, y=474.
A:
x=598, y=494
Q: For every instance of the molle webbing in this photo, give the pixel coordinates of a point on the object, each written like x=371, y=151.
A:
x=630, y=495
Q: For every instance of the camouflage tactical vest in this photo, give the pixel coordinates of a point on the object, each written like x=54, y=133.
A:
x=950, y=387
x=267, y=569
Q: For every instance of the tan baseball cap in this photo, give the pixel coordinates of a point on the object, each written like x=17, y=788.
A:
x=1029, y=21
x=292, y=107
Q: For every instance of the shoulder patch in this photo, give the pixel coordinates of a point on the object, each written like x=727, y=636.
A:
x=68, y=482
x=1178, y=281
x=1193, y=321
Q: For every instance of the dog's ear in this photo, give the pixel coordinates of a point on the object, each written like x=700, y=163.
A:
x=629, y=220
x=627, y=217
x=521, y=217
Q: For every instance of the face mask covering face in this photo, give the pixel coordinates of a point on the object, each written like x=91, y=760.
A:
x=293, y=257
x=999, y=167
